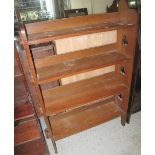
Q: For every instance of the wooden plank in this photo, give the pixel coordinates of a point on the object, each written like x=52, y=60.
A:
x=26, y=132
x=67, y=23
x=52, y=36
x=77, y=122
x=20, y=92
x=69, y=68
x=23, y=111
x=35, y=147
x=55, y=59
x=71, y=96
x=42, y=51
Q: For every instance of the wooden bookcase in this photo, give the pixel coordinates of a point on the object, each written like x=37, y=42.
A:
x=28, y=136
x=93, y=97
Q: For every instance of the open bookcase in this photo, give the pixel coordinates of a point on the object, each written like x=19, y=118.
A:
x=92, y=62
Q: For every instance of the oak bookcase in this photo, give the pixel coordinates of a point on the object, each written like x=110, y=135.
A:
x=88, y=92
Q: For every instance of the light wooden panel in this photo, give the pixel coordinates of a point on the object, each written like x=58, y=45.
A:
x=83, y=42
x=90, y=74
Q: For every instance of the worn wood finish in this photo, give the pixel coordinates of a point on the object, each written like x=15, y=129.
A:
x=35, y=147
x=71, y=96
x=26, y=132
x=90, y=29
x=60, y=57
x=27, y=129
x=67, y=23
x=82, y=120
x=61, y=105
x=37, y=88
x=72, y=67
x=23, y=111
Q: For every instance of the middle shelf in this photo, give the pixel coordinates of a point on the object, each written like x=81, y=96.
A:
x=85, y=92
x=59, y=66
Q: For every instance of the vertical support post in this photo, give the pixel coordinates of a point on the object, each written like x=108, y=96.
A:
x=37, y=88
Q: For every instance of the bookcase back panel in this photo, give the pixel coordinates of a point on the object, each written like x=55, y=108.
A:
x=84, y=42
x=90, y=74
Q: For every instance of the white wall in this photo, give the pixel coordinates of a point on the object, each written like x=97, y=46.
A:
x=93, y=6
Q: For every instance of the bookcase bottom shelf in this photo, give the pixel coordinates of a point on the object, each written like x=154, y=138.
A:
x=66, y=125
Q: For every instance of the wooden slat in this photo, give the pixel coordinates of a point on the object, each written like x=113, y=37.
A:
x=26, y=132
x=69, y=68
x=67, y=23
x=23, y=111
x=55, y=59
x=71, y=96
x=79, y=121
x=65, y=33
x=20, y=92
x=35, y=147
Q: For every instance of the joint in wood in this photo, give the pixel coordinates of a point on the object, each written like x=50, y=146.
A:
x=47, y=133
x=124, y=41
x=122, y=70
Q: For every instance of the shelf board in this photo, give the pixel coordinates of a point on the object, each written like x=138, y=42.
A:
x=26, y=132
x=79, y=121
x=35, y=147
x=23, y=111
x=44, y=37
x=78, y=94
x=73, y=63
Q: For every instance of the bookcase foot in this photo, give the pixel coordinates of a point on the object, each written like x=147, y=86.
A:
x=123, y=120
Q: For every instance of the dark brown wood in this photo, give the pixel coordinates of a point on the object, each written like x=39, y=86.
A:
x=26, y=132
x=35, y=147
x=23, y=111
x=27, y=126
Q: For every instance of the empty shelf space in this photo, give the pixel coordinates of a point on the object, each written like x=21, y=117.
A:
x=26, y=132
x=23, y=111
x=82, y=120
x=74, y=31
x=71, y=96
x=52, y=71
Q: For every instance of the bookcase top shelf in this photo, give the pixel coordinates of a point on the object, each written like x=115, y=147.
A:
x=75, y=31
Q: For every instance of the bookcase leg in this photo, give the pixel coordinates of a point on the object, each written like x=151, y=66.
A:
x=123, y=120
x=54, y=145
x=51, y=135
